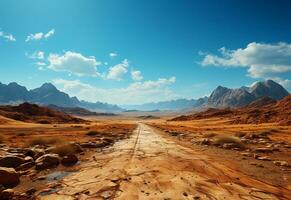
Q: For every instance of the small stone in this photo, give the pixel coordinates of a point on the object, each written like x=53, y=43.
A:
x=265, y=158
x=7, y=194
x=69, y=160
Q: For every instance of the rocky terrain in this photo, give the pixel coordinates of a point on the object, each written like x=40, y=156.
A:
x=263, y=110
x=32, y=164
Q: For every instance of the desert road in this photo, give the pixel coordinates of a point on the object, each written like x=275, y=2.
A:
x=149, y=165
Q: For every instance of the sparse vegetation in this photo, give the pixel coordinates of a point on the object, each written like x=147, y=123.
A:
x=20, y=134
x=65, y=149
x=43, y=141
x=224, y=139
x=44, y=121
x=92, y=133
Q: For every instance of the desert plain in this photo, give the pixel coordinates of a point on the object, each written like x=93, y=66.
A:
x=129, y=157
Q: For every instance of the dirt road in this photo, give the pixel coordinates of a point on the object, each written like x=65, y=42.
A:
x=151, y=166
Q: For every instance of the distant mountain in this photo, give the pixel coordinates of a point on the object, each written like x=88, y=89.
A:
x=47, y=94
x=179, y=104
x=225, y=97
x=270, y=89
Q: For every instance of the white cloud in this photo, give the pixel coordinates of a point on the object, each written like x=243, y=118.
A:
x=40, y=55
x=74, y=63
x=40, y=63
x=261, y=60
x=112, y=54
x=50, y=33
x=135, y=93
x=136, y=75
x=116, y=72
x=8, y=37
x=40, y=35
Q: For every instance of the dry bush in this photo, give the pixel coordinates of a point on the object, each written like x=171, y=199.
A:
x=92, y=133
x=43, y=121
x=209, y=135
x=223, y=139
x=43, y=141
x=20, y=134
x=65, y=149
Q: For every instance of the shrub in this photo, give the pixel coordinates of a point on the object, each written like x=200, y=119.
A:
x=92, y=133
x=220, y=140
x=65, y=149
x=43, y=121
x=20, y=134
x=42, y=141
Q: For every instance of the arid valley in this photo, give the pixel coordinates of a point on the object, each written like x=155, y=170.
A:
x=145, y=100
x=132, y=157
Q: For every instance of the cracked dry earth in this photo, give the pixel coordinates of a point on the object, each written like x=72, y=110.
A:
x=151, y=166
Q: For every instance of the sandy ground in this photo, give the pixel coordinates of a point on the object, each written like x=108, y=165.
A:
x=150, y=165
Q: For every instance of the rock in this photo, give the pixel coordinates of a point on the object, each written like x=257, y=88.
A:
x=205, y=142
x=89, y=145
x=17, y=150
x=282, y=163
x=265, y=158
x=8, y=177
x=69, y=160
x=25, y=166
x=263, y=150
x=11, y=161
x=30, y=191
x=246, y=154
x=47, y=161
x=35, y=152
x=7, y=194
x=28, y=159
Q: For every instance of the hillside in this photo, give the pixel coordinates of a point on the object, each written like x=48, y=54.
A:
x=27, y=112
x=263, y=110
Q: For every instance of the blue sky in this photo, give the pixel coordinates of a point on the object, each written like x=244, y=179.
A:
x=132, y=52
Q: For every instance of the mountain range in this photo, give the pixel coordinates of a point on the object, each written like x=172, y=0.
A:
x=221, y=97
x=48, y=94
x=226, y=97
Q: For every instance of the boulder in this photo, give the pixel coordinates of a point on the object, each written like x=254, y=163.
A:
x=11, y=161
x=69, y=160
x=7, y=194
x=47, y=161
x=8, y=177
